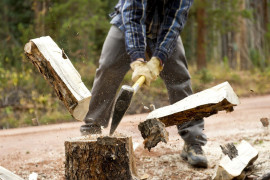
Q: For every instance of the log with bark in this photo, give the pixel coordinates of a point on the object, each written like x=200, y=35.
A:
x=58, y=71
x=153, y=131
x=97, y=158
x=233, y=167
x=193, y=107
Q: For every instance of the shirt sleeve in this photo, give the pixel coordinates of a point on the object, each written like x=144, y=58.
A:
x=173, y=23
x=133, y=16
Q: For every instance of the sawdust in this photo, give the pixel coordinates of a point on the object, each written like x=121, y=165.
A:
x=41, y=149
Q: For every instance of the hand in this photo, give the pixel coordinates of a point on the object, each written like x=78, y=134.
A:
x=140, y=68
x=150, y=70
x=155, y=67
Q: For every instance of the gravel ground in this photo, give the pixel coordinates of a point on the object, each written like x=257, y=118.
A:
x=41, y=149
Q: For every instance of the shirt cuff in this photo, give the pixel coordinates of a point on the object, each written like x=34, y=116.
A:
x=161, y=55
x=136, y=55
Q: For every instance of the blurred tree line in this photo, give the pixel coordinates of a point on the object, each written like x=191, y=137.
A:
x=236, y=32
x=231, y=33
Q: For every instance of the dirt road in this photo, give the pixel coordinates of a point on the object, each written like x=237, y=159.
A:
x=41, y=149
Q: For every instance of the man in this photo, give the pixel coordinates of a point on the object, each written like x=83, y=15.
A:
x=142, y=28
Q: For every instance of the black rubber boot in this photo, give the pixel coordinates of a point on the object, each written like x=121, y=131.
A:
x=194, y=155
x=90, y=128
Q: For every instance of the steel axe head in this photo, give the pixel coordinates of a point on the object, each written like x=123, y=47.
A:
x=121, y=106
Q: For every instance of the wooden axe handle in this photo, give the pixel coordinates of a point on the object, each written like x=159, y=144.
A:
x=138, y=84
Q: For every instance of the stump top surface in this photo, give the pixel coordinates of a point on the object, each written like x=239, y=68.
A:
x=95, y=137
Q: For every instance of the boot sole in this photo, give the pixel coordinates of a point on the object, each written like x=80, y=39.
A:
x=202, y=164
x=90, y=130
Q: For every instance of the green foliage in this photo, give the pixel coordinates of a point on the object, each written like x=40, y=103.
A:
x=257, y=59
x=80, y=27
x=206, y=76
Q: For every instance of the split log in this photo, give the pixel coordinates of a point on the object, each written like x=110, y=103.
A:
x=193, y=107
x=197, y=106
x=8, y=175
x=57, y=69
x=97, y=158
x=233, y=168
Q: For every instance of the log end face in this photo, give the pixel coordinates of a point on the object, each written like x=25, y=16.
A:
x=81, y=109
x=28, y=47
x=153, y=131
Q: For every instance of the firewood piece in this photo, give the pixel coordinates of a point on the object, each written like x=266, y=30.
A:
x=8, y=175
x=264, y=177
x=57, y=69
x=153, y=131
x=97, y=158
x=197, y=106
x=232, y=168
x=265, y=122
x=230, y=150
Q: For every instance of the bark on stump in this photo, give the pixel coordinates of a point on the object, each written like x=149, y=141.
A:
x=59, y=72
x=99, y=158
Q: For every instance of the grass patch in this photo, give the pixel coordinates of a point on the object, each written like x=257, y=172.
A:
x=48, y=109
x=244, y=83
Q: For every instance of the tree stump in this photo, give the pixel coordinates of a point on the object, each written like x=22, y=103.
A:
x=99, y=158
x=59, y=72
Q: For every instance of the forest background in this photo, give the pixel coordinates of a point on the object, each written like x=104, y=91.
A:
x=225, y=40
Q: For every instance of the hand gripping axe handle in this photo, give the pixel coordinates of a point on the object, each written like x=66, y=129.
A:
x=123, y=101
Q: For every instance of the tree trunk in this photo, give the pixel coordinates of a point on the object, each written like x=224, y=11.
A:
x=242, y=51
x=201, y=33
x=40, y=9
x=265, y=15
x=99, y=158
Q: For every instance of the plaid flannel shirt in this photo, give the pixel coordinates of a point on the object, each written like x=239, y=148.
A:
x=159, y=20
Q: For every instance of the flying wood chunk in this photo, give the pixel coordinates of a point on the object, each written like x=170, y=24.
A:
x=232, y=168
x=153, y=131
x=265, y=122
x=8, y=175
x=97, y=158
x=197, y=106
x=194, y=107
x=57, y=69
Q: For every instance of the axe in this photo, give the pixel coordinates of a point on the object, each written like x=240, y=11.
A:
x=123, y=101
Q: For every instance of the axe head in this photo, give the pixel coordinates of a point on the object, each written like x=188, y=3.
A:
x=121, y=106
